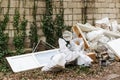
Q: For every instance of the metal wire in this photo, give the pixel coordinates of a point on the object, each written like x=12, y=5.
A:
x=49, y=45
x=44, y=43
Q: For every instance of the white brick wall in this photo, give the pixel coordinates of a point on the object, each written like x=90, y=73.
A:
x=72, y=11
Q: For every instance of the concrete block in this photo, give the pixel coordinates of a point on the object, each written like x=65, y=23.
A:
x=111, y=5
x=112, y=16
x=4, y=3
x=67, y=11
x=40, y=32
x=117, y=5
x=65, y=4
x=98, y=5
x=77, y=11
x=12, y=3
x=77, y=17
x=101, y=0
x=41, y=4
x=12, y=11
x=66, y=17
x=70, y=17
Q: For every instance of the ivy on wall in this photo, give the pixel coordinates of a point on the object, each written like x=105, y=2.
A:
x=4, y=40
x=20, y=33
x=84, y=11
x=59, y=22
x=85, y=8
x=47, y=23
x=53, y=28
x=33, y=28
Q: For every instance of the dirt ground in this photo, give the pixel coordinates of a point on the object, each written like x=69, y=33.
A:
x=95, y=72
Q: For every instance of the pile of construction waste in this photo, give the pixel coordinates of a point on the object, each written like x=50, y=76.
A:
x=87, y=44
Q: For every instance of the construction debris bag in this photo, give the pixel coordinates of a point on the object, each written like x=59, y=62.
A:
x=103, y=23
x=86, y=27
x=94, y=34
x=114, y=26
x=56, y=63
x=66, y=55
x=84, y=59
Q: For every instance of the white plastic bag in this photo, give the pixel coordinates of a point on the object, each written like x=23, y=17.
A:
x=94, y=34
x=77, y=44
x=62, y=45
x=67, y=35
x=86, y=27
x=103, y=39
x=114, y=26
x=57, y=63
x=103, y=21
x=84, y=59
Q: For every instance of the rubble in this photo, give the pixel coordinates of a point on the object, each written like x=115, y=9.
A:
x=92, y=55
x=86, y=44
x=95, y=39
x=114, y=45
x=80, y=34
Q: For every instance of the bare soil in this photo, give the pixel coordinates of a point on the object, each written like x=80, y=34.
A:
x=95, y=72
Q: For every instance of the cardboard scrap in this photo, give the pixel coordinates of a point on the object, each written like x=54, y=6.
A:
x=92, y=55
x=117, y=59
x=76, y=29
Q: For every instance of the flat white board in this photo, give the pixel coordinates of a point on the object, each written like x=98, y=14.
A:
x=30, y=61
x=115, y=46
x=44, y=57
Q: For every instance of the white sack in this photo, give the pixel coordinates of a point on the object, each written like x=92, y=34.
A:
x=114, y=26
x=103, y=21
x=86, y=27
x=111, y=53
x=67, y=35
x=93, y=45
x=72, y=53
x=84, y=59
x=77, y=44
x=94, y=34
x=57, y=60
x=57, y=63
x=118, y=27
x=111, y=34
x=103, y=39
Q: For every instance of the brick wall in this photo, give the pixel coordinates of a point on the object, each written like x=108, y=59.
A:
x=97, y=9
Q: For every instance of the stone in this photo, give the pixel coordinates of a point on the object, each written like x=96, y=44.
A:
x=112, y=77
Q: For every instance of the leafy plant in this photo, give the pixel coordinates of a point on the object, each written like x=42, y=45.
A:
x=48, y=24
x=3, y=44
x=48, y=29
x=53, y=28
x=20, y=33
x=4, y=40
x=59, y=22
x=33, y=35
x=33, y=29
x=22, y=27
x=16, y=20
x=84, y=11
x=18, y=42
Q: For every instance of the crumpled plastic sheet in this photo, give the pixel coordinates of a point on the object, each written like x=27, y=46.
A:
x=66, y=55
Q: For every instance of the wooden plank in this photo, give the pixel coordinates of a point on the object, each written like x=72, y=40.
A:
x=79, y=33
x=92, y=55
